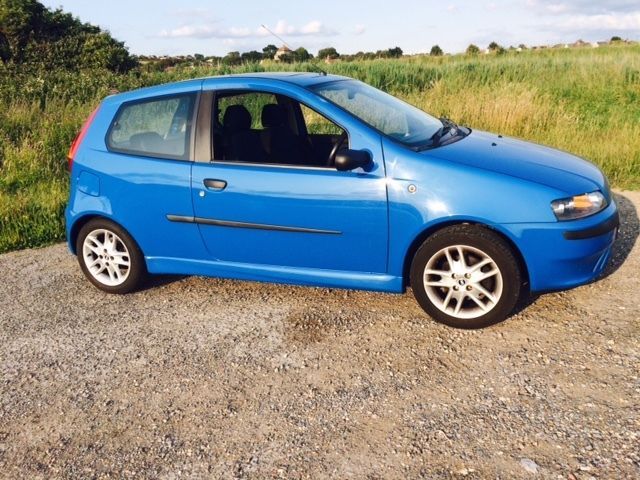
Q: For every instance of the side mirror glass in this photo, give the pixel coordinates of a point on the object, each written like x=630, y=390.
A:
x=351, y=159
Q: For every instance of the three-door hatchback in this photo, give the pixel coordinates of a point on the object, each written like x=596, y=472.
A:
x=322, y=180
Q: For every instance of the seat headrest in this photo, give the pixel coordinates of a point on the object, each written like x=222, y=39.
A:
x=236, y=117
x=272, y=115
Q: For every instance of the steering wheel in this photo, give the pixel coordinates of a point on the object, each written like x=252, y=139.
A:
x=334, y=151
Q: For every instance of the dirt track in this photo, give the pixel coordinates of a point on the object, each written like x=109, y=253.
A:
x=210, y=378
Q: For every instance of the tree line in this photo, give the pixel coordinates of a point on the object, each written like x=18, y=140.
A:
x=33, y=35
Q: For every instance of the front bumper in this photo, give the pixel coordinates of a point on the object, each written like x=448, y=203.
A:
x=564, y=255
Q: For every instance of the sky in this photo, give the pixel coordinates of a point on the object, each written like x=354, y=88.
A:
x=170, y=27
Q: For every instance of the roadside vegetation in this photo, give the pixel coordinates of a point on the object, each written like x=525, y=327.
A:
x=584, y=100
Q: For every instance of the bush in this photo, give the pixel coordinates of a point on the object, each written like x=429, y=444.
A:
x=473, y=50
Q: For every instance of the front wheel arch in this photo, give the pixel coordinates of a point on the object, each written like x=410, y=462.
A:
x=427, y=232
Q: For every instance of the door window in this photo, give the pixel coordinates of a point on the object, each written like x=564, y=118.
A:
x=264, y=128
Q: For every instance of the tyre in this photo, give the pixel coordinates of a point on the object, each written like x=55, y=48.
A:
x=466, y=276
x=109, y=257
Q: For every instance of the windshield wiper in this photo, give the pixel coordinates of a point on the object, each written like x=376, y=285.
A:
x=447, y=127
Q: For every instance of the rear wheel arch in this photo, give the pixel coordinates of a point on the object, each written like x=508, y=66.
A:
x=77, y=226
x=82, y=221
x=427, y=232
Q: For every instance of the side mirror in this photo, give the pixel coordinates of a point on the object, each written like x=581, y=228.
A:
x=351, y=159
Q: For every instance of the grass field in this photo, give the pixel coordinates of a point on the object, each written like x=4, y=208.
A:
x=586, y=101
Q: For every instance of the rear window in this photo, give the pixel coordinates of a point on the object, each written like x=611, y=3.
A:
x=159, y=127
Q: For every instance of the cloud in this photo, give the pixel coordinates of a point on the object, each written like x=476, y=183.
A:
x=359, y=29
x=584, y=7
x=588, y=17
x=213, y=30
x=627, y=21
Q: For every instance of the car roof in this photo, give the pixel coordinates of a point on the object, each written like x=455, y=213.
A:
x=302, y=79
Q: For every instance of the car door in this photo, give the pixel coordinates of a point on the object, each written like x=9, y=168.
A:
x=295, y=216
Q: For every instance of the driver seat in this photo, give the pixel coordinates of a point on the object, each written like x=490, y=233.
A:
x=281, y=144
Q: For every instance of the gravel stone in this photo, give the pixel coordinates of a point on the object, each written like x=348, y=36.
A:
x=529, y=465
x=209, y=378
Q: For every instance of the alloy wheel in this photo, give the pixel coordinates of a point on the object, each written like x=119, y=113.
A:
x=463, y=281
x=106, y=257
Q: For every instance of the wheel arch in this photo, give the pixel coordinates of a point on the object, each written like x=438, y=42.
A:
x=431, y=229
x=83, y=220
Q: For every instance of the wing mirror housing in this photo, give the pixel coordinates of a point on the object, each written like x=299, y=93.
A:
x=351, y=159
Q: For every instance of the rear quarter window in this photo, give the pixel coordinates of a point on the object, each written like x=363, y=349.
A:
x=157, y=127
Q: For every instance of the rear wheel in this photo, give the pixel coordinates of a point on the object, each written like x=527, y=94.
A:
x=466, y=276
x=109, y=257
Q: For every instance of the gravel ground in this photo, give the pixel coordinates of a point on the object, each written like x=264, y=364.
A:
x=210, y=378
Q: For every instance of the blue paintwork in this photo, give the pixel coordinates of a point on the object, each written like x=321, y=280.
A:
x=503, y=183
x=353, y=203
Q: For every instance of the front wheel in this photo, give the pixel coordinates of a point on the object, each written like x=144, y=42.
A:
x=109, y=257
x=466, y=276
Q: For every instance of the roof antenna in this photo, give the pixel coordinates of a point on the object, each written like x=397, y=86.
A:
x=313, y=66
x=277, y=36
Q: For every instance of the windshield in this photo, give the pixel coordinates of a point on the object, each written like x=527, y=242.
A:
x=385, y=113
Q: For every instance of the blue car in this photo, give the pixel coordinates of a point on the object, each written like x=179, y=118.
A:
x=322, y=180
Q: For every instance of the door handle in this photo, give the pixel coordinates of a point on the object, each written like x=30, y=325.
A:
x=214, y=184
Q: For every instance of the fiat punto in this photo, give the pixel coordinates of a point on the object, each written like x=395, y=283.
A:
x=322, y=180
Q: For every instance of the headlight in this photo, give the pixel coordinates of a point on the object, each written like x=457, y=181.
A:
x=579, y=206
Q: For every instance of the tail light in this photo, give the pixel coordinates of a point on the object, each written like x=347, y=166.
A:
x=78, y=140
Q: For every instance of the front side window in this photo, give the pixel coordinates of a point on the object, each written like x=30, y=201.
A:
x=319, y=124
x=159, y=127
x=265, y=128
x=387, y=114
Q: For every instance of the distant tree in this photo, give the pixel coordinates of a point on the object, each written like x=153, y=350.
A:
x=494, y=47
x=395, y=52
x=473, y=49
x=522, y=46
x=232, y=58
x=301, y=55
x=251, y=57
x=329, y=52
x=20, y=21
x=198, y=57
x=287, y=57
x=34, y=34
x=436, y=51
x=615, y=39
x=269, y=51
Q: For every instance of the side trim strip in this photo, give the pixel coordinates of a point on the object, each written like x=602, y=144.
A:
x=600, y=229
x=254, y=226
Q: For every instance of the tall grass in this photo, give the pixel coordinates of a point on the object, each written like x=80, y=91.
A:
x=586, y=101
